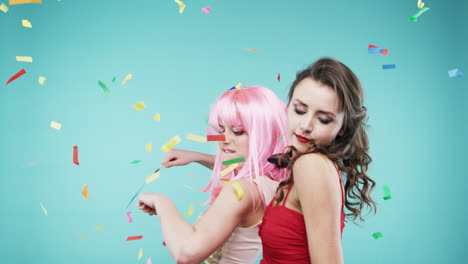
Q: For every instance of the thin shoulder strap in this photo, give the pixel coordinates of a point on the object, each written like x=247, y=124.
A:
x=341, y=184
x=289, y=189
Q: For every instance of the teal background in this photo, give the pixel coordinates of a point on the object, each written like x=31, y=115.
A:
x=180, y=64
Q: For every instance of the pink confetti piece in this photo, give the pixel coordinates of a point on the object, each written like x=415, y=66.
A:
x=148, y=261
x=206, y=10
x=33, y=163
x=129, y=217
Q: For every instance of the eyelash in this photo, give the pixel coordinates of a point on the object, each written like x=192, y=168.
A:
x=237, y=133
x=323, y=121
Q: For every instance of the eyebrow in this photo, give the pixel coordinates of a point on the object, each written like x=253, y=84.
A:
x=320, y=111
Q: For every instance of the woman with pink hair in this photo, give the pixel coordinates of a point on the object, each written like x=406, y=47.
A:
x=252, y=119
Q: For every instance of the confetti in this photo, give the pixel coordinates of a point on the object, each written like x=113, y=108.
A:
x=129, y=217
x=196, y=138
x=420, y=4
x=134, y=196
x=152, y=177
x=208, y=124
x=190, y=212
x=377, y=235
x=414, y=18
x=278, y=77
x=4, y=8
x=18, y=2
x=238, y=86
x=132, y=238
x=140, y=254
x=135, y=162
x=113, y=79
x=181, y=6
x=26, y=23
x=16, y=76
x=388, y=66
x=140, y=106
x=229, y=169
x=81, y=235
x=206, y=10
x=280, y=138
x=148, y=147
x=55, y=125
x=172, y=142
x=104, y=87
x=45, y=211
x=41, y=80
x=24, y=58
x=85, y=193
x=148, y=261
x=191, y=175
x=377, y=50
x=251, y=49
x=216, y=138
x=32, y=163
x=75, y=155
x=455, y=73
x=232, y=161
x=157, y=117
x=387, y=193
x=128, y=77
x=98, y=228
x=239, y=191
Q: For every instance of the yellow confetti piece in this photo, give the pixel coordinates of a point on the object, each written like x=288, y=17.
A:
x=98, y=228
x=128, y=77
x=18, y=2
x=152, y=177
x=45, y=211
x=140, y=106
x=157, y=117
x=41, y=80
x=85, y=193
x=251, y=49
x=140, y=254
x=24, y=58
x=229, y=169
x=172, y=142
x=196, y=138
x=238, y=86
x=55, y=125
x=191, y=175
x=4, y=8
x=148, y=147
x=239, y=191
x=81, y=235
x=190, y=211
x=181, y=6
x=420, y=4
x=26, y=23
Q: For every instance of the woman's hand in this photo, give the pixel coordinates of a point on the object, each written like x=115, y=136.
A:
x=147, y=201
x=179, y=157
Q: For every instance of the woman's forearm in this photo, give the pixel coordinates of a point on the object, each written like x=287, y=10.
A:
x=206, y=160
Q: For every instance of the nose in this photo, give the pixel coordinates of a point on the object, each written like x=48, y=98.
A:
x=307, y=125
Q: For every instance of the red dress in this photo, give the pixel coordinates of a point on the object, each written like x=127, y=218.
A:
x=283, y=233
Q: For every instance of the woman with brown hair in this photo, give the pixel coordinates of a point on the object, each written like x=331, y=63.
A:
x=326, y=122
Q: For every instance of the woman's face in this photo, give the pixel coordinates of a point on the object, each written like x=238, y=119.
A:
x=236, y=144
x=313, y=113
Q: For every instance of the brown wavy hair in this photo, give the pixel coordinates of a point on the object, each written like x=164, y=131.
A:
x=349, y=150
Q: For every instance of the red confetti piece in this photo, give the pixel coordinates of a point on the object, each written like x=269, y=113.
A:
x=16, y=76
x=75, y=155
x=384, y=52
x=131, y=238
x=278, y=77
x=216, y=138
x=164, y=243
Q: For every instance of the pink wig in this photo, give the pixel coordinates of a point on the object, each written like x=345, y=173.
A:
x=262, y=115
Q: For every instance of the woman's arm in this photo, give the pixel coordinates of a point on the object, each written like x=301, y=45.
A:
x=179, y=157
x=193, y=244
x=319, y=195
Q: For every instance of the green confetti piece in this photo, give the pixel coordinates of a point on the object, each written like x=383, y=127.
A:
x=377, y=235
x=136, y=161
x=280, y=138
x=113, y=79
x=104, y=87
x=208, y=124
x=387, y=193
x=414, y=18
x=232, y=161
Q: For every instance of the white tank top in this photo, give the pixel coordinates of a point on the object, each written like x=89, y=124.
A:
x=244, y=245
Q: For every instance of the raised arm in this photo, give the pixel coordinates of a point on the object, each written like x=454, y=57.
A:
x=193, y=244
x=319, y=194
x=179, y=157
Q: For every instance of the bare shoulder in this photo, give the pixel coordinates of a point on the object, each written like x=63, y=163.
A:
x=243, y=191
